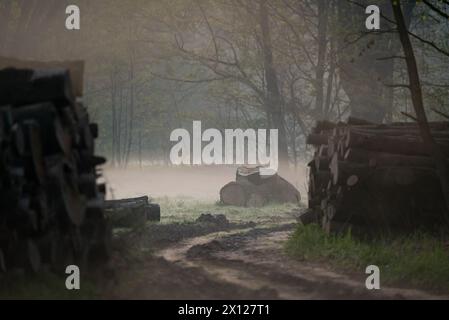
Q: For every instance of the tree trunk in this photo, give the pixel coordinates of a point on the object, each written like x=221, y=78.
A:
x=418, y=105
x=5, y=15
x=330, y=80
x=131, y=111
x=140, y=148
x=366, y=66
x=114, y=121
x=321, y=61
x=273, y=100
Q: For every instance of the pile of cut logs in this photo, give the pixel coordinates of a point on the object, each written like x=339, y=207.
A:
x=253, y=189
x=375, y=177
x=51, y=207
x=131, y=212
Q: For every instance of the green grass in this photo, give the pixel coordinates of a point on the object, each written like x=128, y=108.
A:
x=173, y=210
x=46, y=286
x=184, y=209
x=417, y=260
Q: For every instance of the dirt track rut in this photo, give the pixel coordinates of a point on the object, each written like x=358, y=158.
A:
x=246, y=263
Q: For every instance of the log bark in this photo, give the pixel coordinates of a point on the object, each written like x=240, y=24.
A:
x=51, y=204
x=52, y=129
x=383, y=159
x=341, y=171
x=317, y=139
x=2, y=261
x=381, y=177
x=397, y=145
x=233, y=194
x=245, y=192
x=128, y=202
x=132, y=212
x=25, y=87
x=75, y=68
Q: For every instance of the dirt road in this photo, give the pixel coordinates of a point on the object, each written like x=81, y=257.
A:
x=232, y=261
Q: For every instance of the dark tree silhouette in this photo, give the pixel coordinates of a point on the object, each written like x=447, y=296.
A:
x=417, y=99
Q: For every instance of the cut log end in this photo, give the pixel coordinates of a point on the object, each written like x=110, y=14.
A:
x=233, y=194
x=352, y=180
x=380, y=175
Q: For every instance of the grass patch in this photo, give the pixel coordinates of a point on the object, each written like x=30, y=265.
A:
x=418, y=260
x=43, y=287
x=184, y=209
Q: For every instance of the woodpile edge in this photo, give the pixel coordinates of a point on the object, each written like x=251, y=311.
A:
x=51, y=206
x=375, y=177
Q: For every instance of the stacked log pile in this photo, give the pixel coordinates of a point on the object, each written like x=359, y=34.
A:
x=251, y=189
x=132, y=212
x=51, y=207
x=376, y=177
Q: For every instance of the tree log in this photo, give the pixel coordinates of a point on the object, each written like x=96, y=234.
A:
x=233, y=194
x=317, y=139
x=270, y=189
x=52, y=130
x=75, y=68
x=25, y=87
x=396, y=145
x=132, y=212
x=126, y=203
x=322, y=163
x=383, y=159
x=2, y=261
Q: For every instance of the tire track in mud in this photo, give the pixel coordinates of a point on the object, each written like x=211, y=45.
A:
x=143, y=274
x=253, y=258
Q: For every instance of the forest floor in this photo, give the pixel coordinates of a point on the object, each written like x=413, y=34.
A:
x=241, y=257
x=238, y=253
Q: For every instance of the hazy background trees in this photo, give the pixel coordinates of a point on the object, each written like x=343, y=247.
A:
x=153, y=66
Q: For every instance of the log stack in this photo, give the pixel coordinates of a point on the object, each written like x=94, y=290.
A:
x=251, y=189
x=377, y=177
x=132, y=212
x=51, y=207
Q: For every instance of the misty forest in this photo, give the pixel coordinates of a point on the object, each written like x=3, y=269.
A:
x=154, y=66
x=362, y=120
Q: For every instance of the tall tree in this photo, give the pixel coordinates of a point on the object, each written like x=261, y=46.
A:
x=417, y=99
x=274, y=101
x=366, y=59
x=323, y=6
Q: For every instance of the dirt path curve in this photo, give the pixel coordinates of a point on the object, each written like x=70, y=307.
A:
x=253, y=261
x=243, y=264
